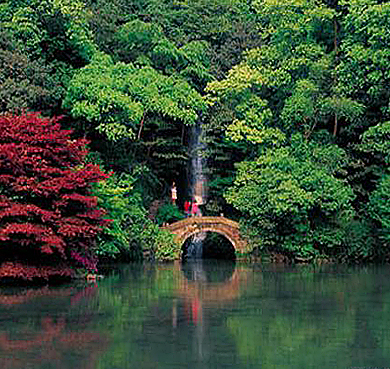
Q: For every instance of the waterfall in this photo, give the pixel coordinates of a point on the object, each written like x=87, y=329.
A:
x=197, y=175
x=195, y=248
x=197, y=184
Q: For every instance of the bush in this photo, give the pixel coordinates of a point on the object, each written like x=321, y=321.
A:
x=131, y=233
x=168, y=213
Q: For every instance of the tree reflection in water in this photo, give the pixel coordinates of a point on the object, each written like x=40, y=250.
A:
x=40, y=334
x=205, y=316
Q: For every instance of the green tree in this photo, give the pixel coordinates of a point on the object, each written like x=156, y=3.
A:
x=118, y=98
x=363, y=71
x=292, y=201
x=294, y=82
x=42, y=42
x=26, y=83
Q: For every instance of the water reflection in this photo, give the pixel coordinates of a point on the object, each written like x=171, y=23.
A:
x=202, y=315
x=210, y=283
x=208, y=270
x=37, y=332
x=206, y=284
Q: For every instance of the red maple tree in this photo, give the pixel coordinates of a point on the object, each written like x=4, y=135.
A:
x=48, y=218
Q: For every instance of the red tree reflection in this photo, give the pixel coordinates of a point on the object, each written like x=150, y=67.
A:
x=59, y=339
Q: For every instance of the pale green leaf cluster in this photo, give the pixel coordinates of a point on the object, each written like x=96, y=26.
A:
x=292, y=82
x=28, y=24
x=253, y=124
x=116, y=97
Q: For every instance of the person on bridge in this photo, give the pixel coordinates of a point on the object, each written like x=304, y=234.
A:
x=187, y=208
x=174, y=193
x=195, y=209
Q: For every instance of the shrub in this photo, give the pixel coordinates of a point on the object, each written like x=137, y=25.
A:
x=168, y=213
x=131, y=234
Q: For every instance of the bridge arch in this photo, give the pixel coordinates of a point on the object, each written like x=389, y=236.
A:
x=186, y=228
x=182, y=240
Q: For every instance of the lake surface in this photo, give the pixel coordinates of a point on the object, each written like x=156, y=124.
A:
x=202, y=315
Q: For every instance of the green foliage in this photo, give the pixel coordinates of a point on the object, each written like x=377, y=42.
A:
x=166, y=249
x=379, y=208
x=131, y=232
x=56, y=28
x=280, y=76
x=291, y=196
x=168, y=213
x=115, y=197
x=376, y=141
x=145, y=44
x=291, y=72
x=359, y=242
x=28, y=84
x=365, y=54
x=45, y=41
x=303, y=70
x=307, y=108
x=116, y=98
x=251, y=125
x=136, y=38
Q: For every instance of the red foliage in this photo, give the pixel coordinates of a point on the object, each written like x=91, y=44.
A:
x=47, y=214
x=27, y=272
x=27, y=296
x=52, y=339
x=51, y=345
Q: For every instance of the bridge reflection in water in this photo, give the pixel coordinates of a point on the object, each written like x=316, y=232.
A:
x=203, y=285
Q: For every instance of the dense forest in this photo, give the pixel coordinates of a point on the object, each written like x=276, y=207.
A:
x=293, y=97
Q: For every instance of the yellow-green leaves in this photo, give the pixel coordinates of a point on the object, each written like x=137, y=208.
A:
x=239, y=79
x=38, y=24
x=253, y=125
x=118, y=97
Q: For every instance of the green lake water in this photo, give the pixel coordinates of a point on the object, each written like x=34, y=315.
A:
x=202, y=315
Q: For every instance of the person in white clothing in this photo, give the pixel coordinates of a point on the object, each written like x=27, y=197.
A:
x=174, y=193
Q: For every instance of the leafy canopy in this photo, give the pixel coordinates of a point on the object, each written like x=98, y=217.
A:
x=116, y=97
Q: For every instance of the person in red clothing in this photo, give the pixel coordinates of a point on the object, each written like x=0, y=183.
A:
x=187, y=208
x=195, y=209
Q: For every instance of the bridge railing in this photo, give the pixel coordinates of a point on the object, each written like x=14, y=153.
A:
x=202, y=220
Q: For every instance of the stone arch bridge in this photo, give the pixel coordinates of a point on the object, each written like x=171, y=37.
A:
x=184, y=229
